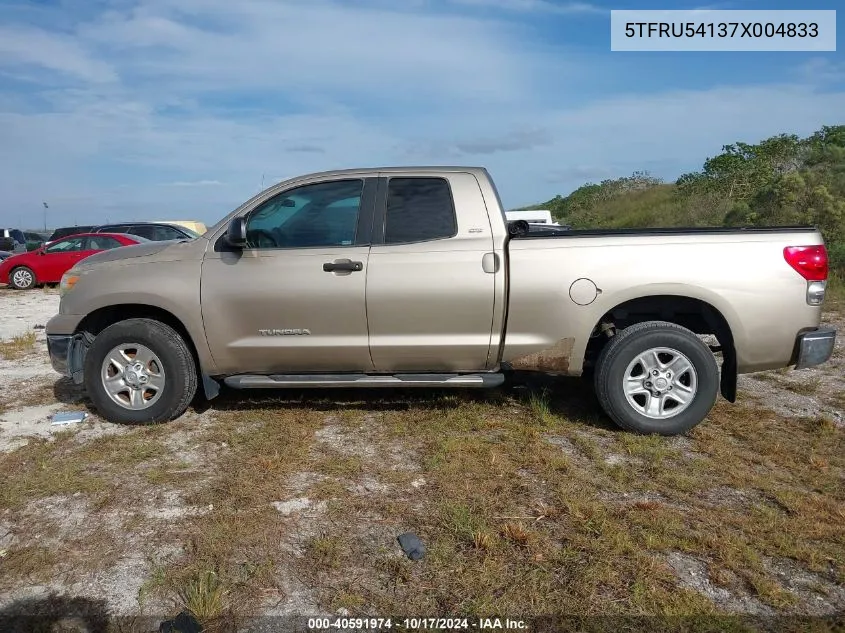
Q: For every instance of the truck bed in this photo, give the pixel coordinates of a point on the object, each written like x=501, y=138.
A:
x=541, y=231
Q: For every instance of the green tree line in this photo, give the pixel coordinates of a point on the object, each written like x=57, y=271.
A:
x=782, y=180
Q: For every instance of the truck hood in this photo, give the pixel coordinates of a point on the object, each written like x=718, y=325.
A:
x=169, y=249
x=126, y=252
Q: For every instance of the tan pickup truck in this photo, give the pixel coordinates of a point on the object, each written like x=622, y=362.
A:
x=412, y=277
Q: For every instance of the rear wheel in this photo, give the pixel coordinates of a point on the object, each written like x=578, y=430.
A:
x=140, y=371
x=22, y=278
x=656, y=377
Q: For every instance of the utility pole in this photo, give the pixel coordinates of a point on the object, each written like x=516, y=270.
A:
x=45, y=215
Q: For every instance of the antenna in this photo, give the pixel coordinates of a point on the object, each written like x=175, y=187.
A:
x=262, y=182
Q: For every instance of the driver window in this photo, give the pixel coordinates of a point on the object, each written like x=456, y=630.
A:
x=322, y=214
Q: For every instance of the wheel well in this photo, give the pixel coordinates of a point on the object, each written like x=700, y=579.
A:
x=100, y=319
x=694, y=314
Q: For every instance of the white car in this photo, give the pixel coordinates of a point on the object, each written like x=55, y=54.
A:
x=534, y=216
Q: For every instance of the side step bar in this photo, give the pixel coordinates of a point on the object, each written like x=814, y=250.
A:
x=280, y=381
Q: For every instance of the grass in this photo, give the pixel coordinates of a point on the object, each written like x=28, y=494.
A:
x=508, y=530
x=19, y=346
x=204, y=597
x=807, y=387
x=538, y=402
x=835, y=292
x=520, y=509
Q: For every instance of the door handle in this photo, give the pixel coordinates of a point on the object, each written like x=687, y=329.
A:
x=342, y=265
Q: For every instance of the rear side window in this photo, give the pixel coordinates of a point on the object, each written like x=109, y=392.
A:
x=102, y=243
x=114, y=228
x=419, y=210
x=166, y=233
x=156, y=232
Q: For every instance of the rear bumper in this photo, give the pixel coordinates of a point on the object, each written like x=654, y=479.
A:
x=814, y=347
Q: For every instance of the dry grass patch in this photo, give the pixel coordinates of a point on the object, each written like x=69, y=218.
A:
x=18, y=347
x=31, y=562
x=529, y=505
x=90, y=501
x=204, y=597
x=241, y=538
x=512, y=525
x=807, y=387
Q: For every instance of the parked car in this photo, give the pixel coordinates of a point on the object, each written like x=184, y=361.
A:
x=65, y=231
x=197, y=227
x=12, y=240
x=535, y=216
x=154, y=231
x=4, y=255
x=48, y=263
x=33, y=240
x=412, y=277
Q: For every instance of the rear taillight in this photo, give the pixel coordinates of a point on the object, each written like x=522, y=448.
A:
x=809, y=261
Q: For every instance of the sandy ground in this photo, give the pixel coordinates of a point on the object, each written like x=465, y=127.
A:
x=31, y=392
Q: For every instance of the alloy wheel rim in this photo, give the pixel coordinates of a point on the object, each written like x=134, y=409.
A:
x=660, y=383
x=133, y=376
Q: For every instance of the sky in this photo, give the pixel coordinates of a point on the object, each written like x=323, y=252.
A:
x=117, y=110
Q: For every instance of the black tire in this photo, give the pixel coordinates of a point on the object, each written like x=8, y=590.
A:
x=180, y=371
x=629, y=343
x=33, y=280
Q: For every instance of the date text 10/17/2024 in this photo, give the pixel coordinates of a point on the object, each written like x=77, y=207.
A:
x=436, y=624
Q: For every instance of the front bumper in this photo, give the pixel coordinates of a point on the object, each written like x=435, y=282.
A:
x=814, y=347
x=67, y=354
x=58, y=346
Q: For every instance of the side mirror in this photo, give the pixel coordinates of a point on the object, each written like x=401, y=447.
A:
x=518, y=228
x=236, y=234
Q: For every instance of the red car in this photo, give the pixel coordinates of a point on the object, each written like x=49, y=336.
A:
x=47, y=264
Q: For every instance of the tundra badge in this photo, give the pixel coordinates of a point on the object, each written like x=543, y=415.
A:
x=285, y=332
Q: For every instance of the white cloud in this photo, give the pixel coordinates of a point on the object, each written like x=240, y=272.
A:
x=822, y=70
x=305, y=50
x=32, y=47
x=195, y=183
x=209, y=95
x=547, y=6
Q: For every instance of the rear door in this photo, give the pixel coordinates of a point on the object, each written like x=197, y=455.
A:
x=97, y=243
x=429, y=299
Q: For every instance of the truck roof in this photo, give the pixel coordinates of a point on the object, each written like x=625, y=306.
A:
x=374, y=170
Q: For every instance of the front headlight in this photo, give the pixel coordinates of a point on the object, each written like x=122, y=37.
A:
x=67, y=283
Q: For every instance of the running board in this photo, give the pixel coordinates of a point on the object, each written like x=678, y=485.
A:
x=280, y=381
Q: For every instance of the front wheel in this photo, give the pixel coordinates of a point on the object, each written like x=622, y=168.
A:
x=656, y=377
x=140, y=371
x=22, y=278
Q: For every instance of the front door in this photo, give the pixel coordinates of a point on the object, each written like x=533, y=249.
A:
x=60, y=257
x=294, y=299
